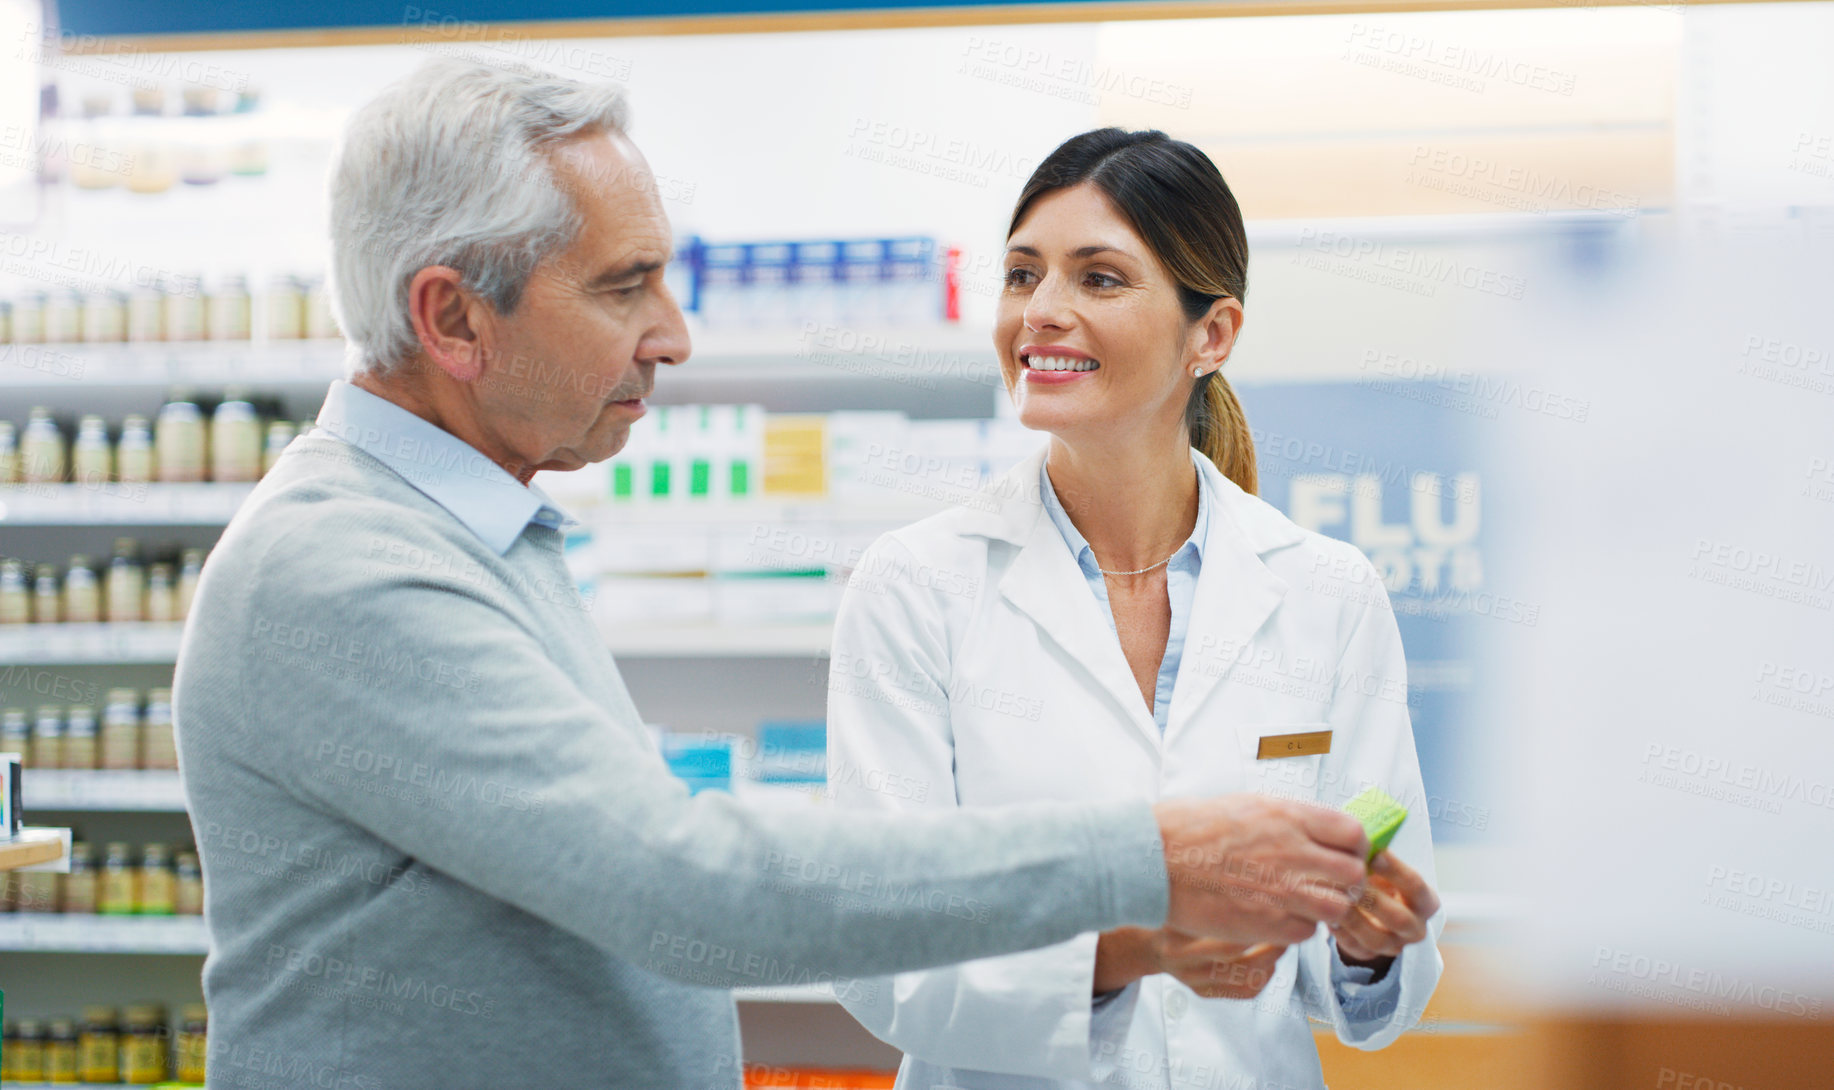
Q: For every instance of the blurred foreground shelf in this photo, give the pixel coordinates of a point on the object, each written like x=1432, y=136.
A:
x=33, y=847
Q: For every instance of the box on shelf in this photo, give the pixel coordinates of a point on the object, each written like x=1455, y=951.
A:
x=852, y=282
x=858, y=443
x=691, y=453
x=792, y=751
x=703, y=762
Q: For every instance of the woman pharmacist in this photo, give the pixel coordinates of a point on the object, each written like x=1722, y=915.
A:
x=1136, y=623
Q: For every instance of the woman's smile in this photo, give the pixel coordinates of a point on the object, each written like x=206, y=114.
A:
x=1054, y=365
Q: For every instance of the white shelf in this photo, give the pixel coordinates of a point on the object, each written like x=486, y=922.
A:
x=50, y=933
x=39, y=644
x=68, y=789
x=161, y=363
x=923, y=357
x=83, y=934
x=744, y=347
x=36, y=645
x=606, y=515
x=708, y=640
x=121, y=504
x=117, y=504
x=941, y=353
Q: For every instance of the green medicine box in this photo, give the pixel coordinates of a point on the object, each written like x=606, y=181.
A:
x=1381, y=817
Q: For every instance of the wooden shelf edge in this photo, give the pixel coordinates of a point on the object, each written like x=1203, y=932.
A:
x=33, y=846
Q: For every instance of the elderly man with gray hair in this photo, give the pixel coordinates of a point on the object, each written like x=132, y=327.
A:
x=441, y=849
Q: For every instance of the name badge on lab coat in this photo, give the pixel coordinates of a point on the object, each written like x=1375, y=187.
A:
x=1294, y=745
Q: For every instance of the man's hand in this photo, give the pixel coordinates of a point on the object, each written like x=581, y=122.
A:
x=1251, y=869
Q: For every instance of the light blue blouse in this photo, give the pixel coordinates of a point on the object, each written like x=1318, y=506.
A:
x=1180, y=584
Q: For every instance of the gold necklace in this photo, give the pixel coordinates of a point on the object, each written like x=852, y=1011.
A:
x=1142, y=571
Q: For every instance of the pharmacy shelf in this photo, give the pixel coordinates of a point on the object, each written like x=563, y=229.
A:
x=705, y=639
x=943, y=351
x=890, y=508
x=186, y=935
x=915, y=356
x=85, y=934
x=215, y=504
x=929, y=372
x=121, y=504
x=33, y=847
x=207, y=364
x=42, y=644
x=70, y=644
x=107, y=791
x=104, y=791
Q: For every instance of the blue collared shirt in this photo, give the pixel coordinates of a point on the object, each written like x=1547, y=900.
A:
x=1364, y=1004
x=449, y=471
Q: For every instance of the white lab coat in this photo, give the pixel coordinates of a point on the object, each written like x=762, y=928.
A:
x=972, y=667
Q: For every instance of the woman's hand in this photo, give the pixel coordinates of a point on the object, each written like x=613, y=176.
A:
x=1213, y=968
x=1216, y=969
x=1392, y=913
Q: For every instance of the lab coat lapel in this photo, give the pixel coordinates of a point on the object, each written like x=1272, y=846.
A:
x=1045, y=584
x=1236, y=593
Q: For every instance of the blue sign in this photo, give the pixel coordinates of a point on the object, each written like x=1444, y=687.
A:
x=1397, y=469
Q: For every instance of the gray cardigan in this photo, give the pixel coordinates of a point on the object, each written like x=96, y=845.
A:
x=441, y=849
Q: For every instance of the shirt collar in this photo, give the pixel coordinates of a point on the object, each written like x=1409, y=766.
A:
x=449, y=471
x=1079, y=545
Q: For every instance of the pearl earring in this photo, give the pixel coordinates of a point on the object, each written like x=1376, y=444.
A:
x=1197, y=372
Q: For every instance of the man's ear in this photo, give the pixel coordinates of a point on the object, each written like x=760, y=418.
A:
x=449, y=321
